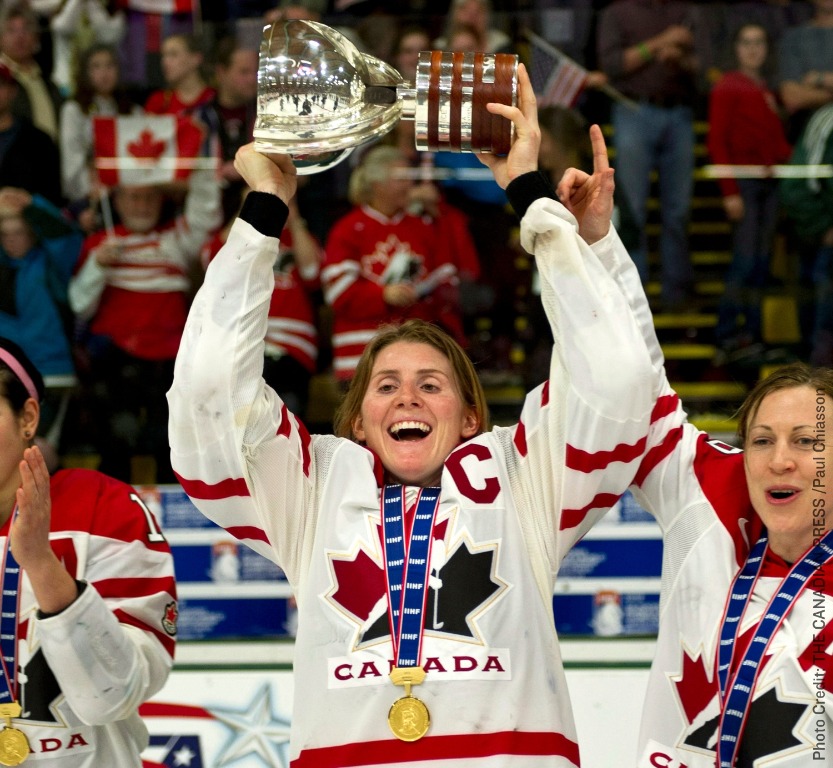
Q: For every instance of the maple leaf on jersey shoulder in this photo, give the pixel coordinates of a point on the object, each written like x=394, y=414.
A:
x=695, y=687
x=146, y=147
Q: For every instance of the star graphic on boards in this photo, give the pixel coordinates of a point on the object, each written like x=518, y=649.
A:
x=183, y=756
x=255, y=730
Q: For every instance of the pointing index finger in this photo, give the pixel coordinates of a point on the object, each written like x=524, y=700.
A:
x=597, y=141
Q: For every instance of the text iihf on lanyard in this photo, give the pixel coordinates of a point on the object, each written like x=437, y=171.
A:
x=736, y=694
x=407, y=568
x=14, y=748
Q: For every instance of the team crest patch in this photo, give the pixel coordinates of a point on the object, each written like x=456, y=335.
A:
x=170, y=617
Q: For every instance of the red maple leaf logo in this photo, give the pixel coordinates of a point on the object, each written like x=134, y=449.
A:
x=360, y=580
x=146, y=146
x=695, y=688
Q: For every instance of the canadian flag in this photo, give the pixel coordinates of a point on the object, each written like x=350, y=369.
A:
x=159, y=6
x=145, y=149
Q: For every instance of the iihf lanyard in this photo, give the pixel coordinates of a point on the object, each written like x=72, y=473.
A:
x=406, y=568
x=8, y=623
x=737, y=694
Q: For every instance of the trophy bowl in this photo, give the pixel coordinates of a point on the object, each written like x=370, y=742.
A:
x=319, y=97
x=313, y=87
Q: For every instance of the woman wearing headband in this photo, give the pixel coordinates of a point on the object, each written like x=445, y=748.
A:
x=88, y=605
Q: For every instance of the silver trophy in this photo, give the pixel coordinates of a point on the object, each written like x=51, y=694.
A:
x=319, y=97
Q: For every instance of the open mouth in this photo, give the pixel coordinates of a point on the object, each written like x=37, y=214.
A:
x=406, y=431
x=780, y=494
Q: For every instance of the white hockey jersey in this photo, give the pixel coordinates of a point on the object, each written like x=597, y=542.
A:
x=84, y=672
x=696, y=488
x=513, y=502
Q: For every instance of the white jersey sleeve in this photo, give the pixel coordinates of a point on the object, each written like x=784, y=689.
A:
x=226, y=424
x=599, y=393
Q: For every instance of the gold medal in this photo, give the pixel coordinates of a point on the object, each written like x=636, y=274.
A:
x=14, y=748
x=409, y=718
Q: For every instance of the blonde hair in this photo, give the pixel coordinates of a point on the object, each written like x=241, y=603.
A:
x=375, y=166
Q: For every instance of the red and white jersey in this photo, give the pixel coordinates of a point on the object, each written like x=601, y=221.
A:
x=112, y=649
x=696, y=488
x=513, y=502
x=140, y=300
x=366, y=251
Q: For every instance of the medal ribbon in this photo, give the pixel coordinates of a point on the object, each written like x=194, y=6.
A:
x=737, y=694
x=407, y=568
x=8, y=624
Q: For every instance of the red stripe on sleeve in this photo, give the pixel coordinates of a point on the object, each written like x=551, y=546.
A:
x=664, y=406
x=584, y=461
x=570, y=518
x=248, y=532
x=285, y=428
x=520, y=439
x=462, y=747
x=161, y=709
x=140, y=586
x=305, y=443
x=168, y=642
x=225, y=489
x=657, y=454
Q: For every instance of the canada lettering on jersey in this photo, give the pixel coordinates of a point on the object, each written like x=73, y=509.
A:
x=363, y=669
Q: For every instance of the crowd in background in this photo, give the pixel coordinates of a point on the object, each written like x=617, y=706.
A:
x=96, y=279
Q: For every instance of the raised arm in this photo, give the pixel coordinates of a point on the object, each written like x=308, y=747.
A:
x=582, y=432
x=239, y=454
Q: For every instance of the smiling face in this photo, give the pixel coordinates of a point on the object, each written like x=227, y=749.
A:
x=412, y=415
x=785, y=451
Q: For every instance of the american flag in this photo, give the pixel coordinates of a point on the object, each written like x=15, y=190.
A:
x=556, y=79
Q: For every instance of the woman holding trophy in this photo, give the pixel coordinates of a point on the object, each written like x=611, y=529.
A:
x=422, y=546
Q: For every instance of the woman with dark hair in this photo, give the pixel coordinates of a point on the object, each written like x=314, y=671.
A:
x=422, y=547
x=745, y=129
x=182, y=68
x=88, y=617
x=97, y=93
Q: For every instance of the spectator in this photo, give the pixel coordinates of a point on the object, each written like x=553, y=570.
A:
x=132, y=287
x=230, y=115
x=38, y=99
x=383, y=263
x=745, y=128
x=91, y=611
x=648, y=50
x=477, y=14
x=146, y=31
x=808, y=205
x=103, y=25
x=28, y=157
x=410, y=42
x=38, y=251
x=97, y=93
x=806, y=66
x=186, y=89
